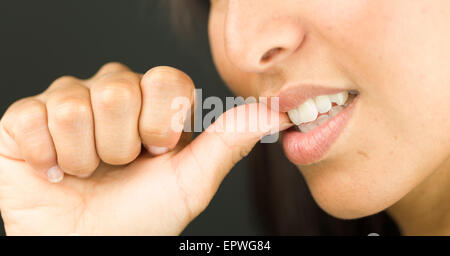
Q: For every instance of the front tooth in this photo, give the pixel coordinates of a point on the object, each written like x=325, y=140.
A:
x=322, y=119
x=323, y=103
x=335, y=110
x=307, y=127
x=307, y=112
x=294, y=116
x=339, y=98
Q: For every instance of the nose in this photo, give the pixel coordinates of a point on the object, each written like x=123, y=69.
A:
x=259, y=34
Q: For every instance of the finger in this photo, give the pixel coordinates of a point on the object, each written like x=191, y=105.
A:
x=25, y=136
x=116, y=103
x=108, y=68
x=204, y=163
x=71, y=125
x=168, y=95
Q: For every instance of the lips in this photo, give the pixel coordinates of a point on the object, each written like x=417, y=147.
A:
x=318, y=136
x=295, y=96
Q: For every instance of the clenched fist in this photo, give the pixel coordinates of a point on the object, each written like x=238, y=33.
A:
x=71, y=160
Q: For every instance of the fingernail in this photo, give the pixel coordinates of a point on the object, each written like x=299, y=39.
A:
x=280, y=128
x=55, y=174
x=285, y=126
x=154, y=150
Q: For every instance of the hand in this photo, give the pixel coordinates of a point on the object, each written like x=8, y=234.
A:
x=93, y=131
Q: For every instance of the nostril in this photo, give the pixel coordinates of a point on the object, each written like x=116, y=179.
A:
x=271, y=54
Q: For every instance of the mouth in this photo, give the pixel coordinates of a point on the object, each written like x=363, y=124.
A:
x=318, y=122
x=315, y=112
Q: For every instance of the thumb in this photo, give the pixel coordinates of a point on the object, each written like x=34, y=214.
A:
x=203, y=164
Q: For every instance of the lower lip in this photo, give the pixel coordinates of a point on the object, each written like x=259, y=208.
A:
x=307, y=148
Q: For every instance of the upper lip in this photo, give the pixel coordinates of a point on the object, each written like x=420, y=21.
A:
x=294, y=96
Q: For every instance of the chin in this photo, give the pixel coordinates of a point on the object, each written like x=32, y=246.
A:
x=348, y=195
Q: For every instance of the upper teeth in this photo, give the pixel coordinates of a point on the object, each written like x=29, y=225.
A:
x=310, y=109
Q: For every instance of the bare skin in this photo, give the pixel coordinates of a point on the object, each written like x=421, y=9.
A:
x=94, y=132
x=393, y=155
x=395, y=152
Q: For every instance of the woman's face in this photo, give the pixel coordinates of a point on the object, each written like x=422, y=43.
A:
x=394, y=53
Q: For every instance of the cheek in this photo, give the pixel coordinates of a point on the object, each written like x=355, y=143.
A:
x=397, y=63
x=240, y=83
x=394, y=51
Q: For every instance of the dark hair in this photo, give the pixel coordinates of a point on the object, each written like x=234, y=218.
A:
x=280, y=192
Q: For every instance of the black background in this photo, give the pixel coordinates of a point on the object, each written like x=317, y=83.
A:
x=43, y=40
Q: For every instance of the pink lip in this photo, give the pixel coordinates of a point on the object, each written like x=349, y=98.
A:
x=307, y=148
x=295, y=96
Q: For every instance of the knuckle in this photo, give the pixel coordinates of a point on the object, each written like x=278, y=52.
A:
x=62, y=86
x=59, y=84
x=119, y=91
x=113, y=67
x=126, y=79
x=64, y=80
x=31, y=113
x=164, y=75
x=69, y=110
